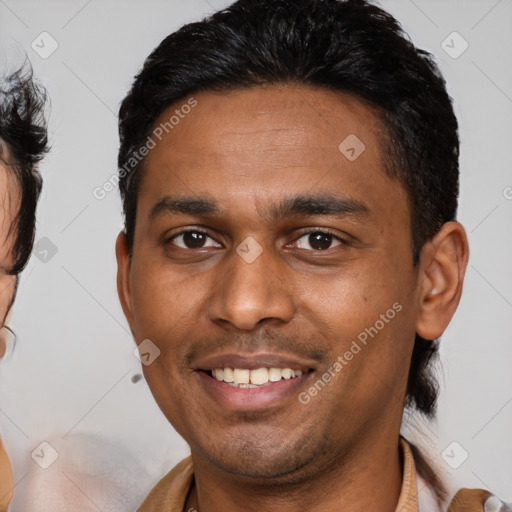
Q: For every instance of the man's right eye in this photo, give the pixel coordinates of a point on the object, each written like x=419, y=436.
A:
x=191, y=239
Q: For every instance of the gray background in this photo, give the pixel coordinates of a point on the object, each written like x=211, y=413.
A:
x=71, y=372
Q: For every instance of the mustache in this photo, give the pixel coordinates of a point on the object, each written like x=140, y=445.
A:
x=264, y=340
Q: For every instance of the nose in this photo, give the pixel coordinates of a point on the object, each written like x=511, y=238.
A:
x=252, y=291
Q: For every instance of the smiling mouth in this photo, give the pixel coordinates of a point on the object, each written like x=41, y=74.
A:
x=244, y=378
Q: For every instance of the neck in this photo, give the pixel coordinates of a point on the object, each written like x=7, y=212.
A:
x=368, y=478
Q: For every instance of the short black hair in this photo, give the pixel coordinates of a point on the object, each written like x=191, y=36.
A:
x=350, y=47
x=23, y=142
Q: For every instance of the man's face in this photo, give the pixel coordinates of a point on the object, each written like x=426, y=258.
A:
x=9, y=203
x=256, y=285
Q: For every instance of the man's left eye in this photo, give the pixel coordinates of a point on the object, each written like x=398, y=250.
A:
x=318, y=240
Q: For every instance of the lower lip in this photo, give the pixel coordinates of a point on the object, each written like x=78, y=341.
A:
x=264, y=397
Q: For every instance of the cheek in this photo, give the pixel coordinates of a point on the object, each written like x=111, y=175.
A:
x=351, y=300
x=161, y=300
x=167, y=310
x=366, y=317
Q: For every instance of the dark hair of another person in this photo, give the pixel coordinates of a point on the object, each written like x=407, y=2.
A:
x=350, y=47
x=23, y=143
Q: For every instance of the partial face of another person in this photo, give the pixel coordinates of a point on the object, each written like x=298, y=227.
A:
x=259, y=244
x=9, y=205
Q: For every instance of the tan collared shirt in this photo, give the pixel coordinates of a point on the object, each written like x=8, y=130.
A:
x=170, y=494
x=6, y=484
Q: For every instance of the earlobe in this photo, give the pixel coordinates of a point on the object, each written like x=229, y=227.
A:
x=123, y=277
x=442, y=273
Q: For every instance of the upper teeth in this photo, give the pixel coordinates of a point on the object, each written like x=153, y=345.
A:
x=256, y=377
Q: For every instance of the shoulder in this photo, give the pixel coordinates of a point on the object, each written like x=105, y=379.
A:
x=477, y=500
x=6, y=482
x=170, y=493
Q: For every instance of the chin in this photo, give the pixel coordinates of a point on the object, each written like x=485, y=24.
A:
x=257, y=462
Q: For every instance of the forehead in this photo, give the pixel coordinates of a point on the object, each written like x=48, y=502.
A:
x=270, y=117
x=250, y=144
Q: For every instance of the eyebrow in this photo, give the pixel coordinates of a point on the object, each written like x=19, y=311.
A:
x=303, y=205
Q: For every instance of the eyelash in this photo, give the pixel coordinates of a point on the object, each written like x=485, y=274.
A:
x=324, y=231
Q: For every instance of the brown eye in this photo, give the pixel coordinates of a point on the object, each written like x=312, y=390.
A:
x=318, y=241
x=192, y=240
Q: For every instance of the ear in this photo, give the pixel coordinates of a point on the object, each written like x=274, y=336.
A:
x=442, y=268
x=123, y=277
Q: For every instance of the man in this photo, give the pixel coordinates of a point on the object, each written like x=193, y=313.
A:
x=23, y=142
x=289, y=175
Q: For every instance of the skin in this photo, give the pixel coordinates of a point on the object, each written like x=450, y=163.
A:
x=9, y=204
x=248, y=150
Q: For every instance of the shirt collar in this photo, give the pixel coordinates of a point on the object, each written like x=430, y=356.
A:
x=171, y=492
x=408, y=500
x=6, y=484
